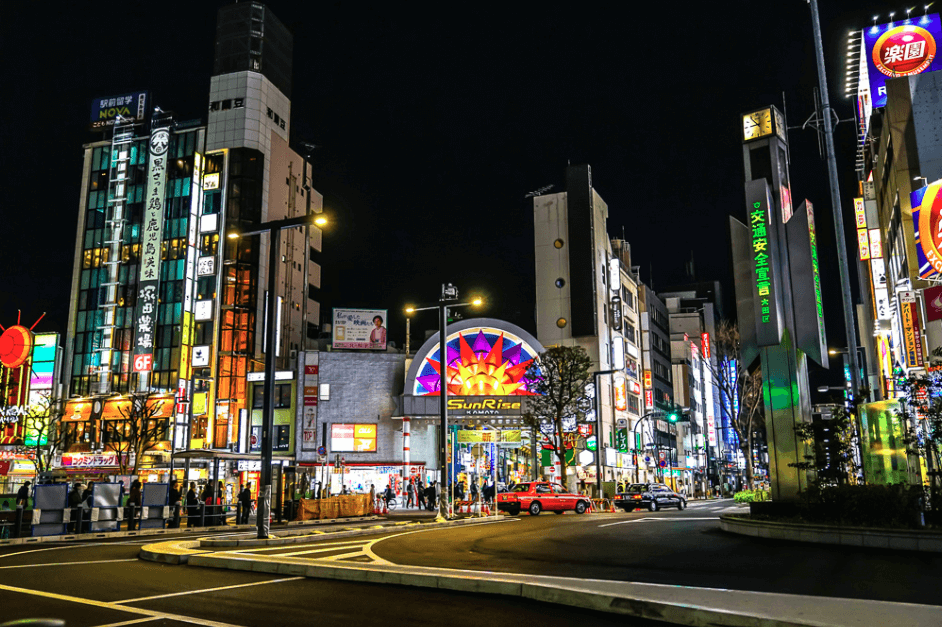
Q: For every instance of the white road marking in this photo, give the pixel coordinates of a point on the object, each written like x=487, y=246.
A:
x=186, y=592
x=670, y=519
x=133, y=559
x=133, y=621
x=114, y=606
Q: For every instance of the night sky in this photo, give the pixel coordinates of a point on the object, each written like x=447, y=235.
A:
x=432, y=125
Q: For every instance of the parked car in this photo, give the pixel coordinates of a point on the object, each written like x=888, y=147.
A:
x=650, y=495
x=537, y=496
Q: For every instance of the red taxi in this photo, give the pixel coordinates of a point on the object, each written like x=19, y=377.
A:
x=537, y=496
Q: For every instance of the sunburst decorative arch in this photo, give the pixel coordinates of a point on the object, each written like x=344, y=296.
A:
x=485, y=357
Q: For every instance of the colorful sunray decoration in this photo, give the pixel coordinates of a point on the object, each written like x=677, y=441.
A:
x=480, y=362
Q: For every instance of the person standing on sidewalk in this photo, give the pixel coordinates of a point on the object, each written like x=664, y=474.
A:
x=134, y=504
x=22, y=495
x=192, y=507
x=245, y=500
x=174, y=498
x=75, y=503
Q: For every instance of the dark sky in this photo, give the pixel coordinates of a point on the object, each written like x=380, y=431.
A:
x=433, y=125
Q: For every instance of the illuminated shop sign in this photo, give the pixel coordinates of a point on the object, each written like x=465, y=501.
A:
x=621, y=394
x=859, y=214
x=477, y=406
x=927, y=223
x=901, y=48
x=151, y=240
x=912, y=330
x=705, y=341
x=863, y=244
x=818, y=298
x=764, y=262
x=353, y=438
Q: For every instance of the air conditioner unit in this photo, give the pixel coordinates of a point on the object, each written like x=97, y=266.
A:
x=293, y=354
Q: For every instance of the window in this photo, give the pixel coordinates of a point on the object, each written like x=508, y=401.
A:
x=282, y=437
x=282, y=396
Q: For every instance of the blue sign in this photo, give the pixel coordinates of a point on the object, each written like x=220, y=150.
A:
x=321, y=450
x=901, y=48
x=132, y=106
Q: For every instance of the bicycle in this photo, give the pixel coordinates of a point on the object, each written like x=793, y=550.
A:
x=392, y=504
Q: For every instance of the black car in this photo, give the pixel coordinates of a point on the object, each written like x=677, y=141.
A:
x=653, y=496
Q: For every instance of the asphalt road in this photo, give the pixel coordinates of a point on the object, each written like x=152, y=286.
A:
x=668, y=547
x=104, y=584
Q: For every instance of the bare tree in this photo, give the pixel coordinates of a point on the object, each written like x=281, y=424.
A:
x=741, y=387
x=561, y=374
x=140, y=431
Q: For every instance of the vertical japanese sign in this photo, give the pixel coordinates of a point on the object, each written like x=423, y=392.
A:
x=912, y=331
x=145, y=313
x=815, y=271
x=764, y=254
x=863, y=244
x=860, y=215
x=705, y=342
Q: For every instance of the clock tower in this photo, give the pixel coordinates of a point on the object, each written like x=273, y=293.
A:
x=778, y=294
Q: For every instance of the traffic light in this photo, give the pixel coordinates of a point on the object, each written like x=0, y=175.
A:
x=673, y=416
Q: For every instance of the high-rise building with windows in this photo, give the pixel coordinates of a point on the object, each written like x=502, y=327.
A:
x=167, y=295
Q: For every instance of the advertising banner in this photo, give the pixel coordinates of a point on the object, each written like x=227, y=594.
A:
x=145, y=312
x=621, y=394
x=927, y=220
x=359, y=329
x=881, y=296
x=901, y=48
x=933, y=299
x=485, y=436
x=353, y=438
x=132, y=106
x=860, y=214
x=912, y=330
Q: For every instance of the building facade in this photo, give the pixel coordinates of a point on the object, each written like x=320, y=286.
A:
x=168, y=298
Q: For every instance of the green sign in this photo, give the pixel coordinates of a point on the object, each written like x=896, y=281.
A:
x=621, y=440
x=590, y=442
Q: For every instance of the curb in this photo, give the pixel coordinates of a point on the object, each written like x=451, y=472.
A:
x=898, y=539
x=697, y=607
x=164, y=532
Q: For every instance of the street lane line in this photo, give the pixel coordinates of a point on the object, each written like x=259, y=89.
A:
x=114, y=606
x=187, y=592
x=133, y=559
x=323, y=549
x=670, y=519
x=275, y=548
x=134, y=621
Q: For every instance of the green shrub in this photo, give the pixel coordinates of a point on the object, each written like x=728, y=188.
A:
x=863, y=505
x=751, y=496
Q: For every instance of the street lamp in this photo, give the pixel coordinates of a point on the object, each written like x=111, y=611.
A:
x=448, y=298
x=272, y=227
x=598, y=429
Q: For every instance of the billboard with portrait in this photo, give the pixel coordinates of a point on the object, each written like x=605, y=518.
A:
x=359, y=329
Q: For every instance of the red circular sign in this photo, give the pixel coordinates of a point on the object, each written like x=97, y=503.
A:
x=15, y=344
x=904, y=51
x=929, y=237
x=254, y=440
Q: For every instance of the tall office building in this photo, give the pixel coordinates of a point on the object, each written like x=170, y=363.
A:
x=166, y=294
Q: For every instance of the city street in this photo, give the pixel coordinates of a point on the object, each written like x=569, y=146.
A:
x=667, y=547
x=104, y=583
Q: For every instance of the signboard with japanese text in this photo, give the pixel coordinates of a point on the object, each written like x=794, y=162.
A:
x=860, y=214
x=621, y=394
x=901, y=48
x=765, y=265
x=912, y=330
x=131, y=106
x=145, y=312
x=881, y=296
x=359, y=329
x=616, y=313
x=863, y=244
x=705, y=342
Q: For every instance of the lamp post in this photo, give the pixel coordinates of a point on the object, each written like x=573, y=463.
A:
x=448, y=299
x=273, y=228
x=598, y=429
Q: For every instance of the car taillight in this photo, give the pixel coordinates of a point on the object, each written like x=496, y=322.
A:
x=636, y=497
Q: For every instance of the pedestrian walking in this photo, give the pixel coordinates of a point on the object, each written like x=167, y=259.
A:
x=388, y=495
x=192, y=507
x=245, y=501
x=22, y=495
x=431, y=494
x=134, y=504
x=420, y=495
x=410, y=494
